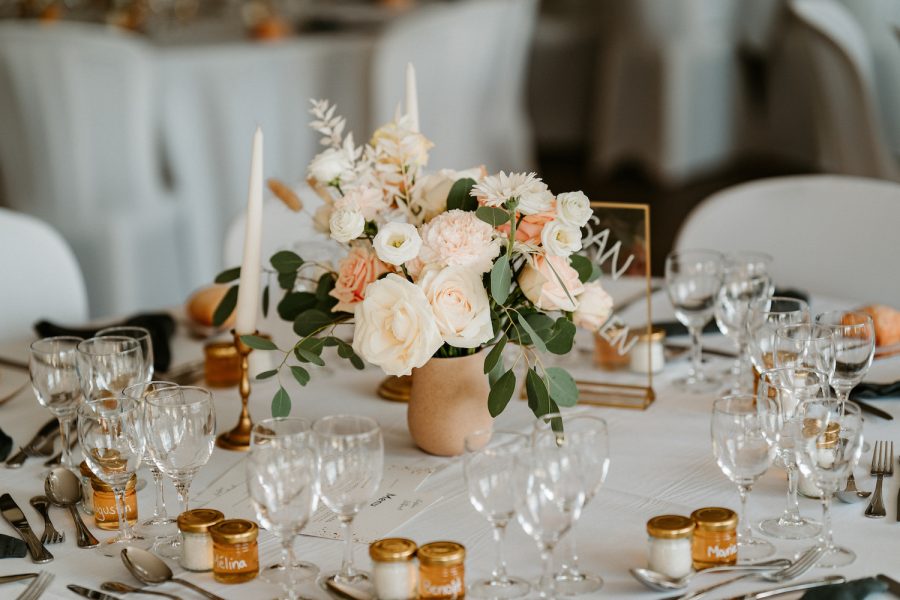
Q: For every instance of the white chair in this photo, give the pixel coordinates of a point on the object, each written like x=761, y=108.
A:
x=78, y=148
x=828, y=234
x=471, y=59
x=850, y=134
x=41, y=278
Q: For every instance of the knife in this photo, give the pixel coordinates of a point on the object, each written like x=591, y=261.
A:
x=49, y=428
x=796, y=587
x=13, y=364
x=88, y=593
x=15, y=517
x=865, y=407
x=893, y=584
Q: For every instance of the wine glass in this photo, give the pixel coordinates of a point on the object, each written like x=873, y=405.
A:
x=828, y=434
x=489, y=469
x=693, y=279
x=351, y=460
x=764, y=317
x=805, y=345
x=787, y=387
x=181, y=432
x=143, y=338
x=587, y=437
x=549, y=498
x=54, y=378
x=109, y=430
x=744, y=451
x=281, y=481
x=745, y=279
x=854, y=347
x=109, y=364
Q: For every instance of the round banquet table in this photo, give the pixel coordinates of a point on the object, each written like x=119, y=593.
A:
x=661, y=462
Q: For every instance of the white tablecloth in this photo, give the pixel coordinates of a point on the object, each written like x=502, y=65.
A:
x=661, y=463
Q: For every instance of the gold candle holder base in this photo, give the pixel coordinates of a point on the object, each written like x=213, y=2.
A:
x=239, y=437
x=395, y=389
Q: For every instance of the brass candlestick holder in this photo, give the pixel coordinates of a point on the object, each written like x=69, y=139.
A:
x=239, y=437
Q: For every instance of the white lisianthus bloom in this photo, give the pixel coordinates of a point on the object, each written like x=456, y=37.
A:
x=594, y=307
x=532, y=193
x=560, y=239
x=460, y=305
x=396, y=243
x=346, y=224
x=395, y=326
x=573, y=209
x=330, y=164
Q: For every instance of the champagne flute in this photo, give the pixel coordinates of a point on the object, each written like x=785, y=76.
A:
x=693, y=280
x=854, y=347
x=744, y=452
x=805, y=345
x=54, y=378
x=109, y=364
x=281, y=481
x=143, y=338
x=109, y=430
x=764, y=317
x=489, y=469
x=351, y=460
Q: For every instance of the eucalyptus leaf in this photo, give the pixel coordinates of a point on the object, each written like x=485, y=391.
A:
x=501, y=393
x=265, y=302
x=300, y=374
x=497, y=372
x=357, y=362
x=535, y=338
x=491, y=215
x=311, y=321
x=281, y=403
x=490, y=361
x=459, y=196
x=267, y=374
x=325, y=285
x=563, y=390
x=286, y=281
x=228, y=275
x=561, y=337
x=587, y=270
x=258, y=343
x=295, y=303
x=538, y=397
x=226, y=306
x=286, y=261
x=501, y=279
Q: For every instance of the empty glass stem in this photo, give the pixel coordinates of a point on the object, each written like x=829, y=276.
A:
x=347, y=570
x=159, y=511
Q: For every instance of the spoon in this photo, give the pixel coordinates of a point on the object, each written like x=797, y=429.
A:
x=63, y=489
x=150, y=569
x=124, y=588
x=663, y=583
x=850, y=494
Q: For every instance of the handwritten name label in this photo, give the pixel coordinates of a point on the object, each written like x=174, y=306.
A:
x=451, y=589
x=384, y=498
x=716, y=552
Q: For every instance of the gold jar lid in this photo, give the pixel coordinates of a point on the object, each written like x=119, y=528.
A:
x=714, y=518
x=220, y=350
x=199, y=520
x=446, y=554
x=670, y=527
x=657, y=334
x=111, y=460
x=234, y=531
x=392, y=550
x=101, y=486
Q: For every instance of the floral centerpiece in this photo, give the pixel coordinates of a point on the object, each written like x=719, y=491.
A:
x=437, y=265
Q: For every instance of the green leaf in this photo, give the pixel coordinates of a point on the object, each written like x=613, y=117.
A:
x=226, y=306
x=309, y=350
x=496, y=353
x=459, y=196
x=345, y=350
x=310, y=321
x=331, y=341
x=501, y=393
x=295, y=303
x=535, y=338
x=265, y=301
x=491, y=215
x=281, y=403
x=562, y=387
x=267, y=374
x=540, y=322
x=357, y=362
x=258, y=343
x=501, y=279
x=228, y=275
x=587, y=270
x=538, y=398
x=496, y=372
x=300, y=374
x=286, y=281
x=325, y=285
x=562, y=284
x=561, y=337
x=286, y=261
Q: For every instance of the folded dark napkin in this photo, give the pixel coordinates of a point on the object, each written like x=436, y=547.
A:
x=876, y=391
x=5, y=445
x=858, y=589
x=11, y=547
x=160, y=325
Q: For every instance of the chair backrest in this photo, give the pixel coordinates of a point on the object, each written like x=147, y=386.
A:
x=471, y=59
x=41, y=278
x=828, y=234
x=850, y=136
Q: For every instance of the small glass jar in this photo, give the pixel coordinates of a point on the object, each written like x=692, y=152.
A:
x=442, y=571
x=106, y=515
x=715, y=537
x=607, y=353
x=669, y=545
x=235, y=550
x=394, y=569
x=87, y=491
x=196, y=542
x=648, y=353
x=824, y=456
x=222, y=364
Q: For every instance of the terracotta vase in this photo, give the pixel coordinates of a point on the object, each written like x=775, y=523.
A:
x=448, y=400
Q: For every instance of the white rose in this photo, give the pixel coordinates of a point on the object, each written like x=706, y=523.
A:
x=460, y=305
x=395, y=326
x=346, y=224
x=573, y=209
x=594, y=307
x=560, y=239
x=397, y=243
x=431, y=191
x=536, y=200
x=330, y=165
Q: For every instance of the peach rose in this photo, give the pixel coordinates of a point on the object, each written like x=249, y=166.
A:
x=530, y=228
x=355, y=272
x=594, y=307
x=542, y=282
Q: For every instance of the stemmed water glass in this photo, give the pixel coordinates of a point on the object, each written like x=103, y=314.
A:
x=854, y=347
x=109, y=364
x=828, y=434
x=805, y=345
x=693, y=279
x=281, y=481
x=180, y=432
x=745, y=279
x=586, y=436
x=489, y=469
x=54, y=378
x=744, y=451
x=765, y=316
x=142, y=336
x=109, y=430
x=351, y=461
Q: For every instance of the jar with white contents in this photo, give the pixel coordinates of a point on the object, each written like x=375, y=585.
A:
x=648, y=353
x=669, y=545
x=394, y=570
x=196, y=542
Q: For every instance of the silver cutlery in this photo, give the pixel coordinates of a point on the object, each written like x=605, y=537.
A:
x=45, y=436
x=149, y=568
x=15, y=517
x=124, y=588
x=882, y=466
x=850, y=493
x=89, y=593
x=56, y=459
x=17, y=577
x=50, y=536
x=663, y=583
x=64, y=489
x=37, y=587
x=789, y=589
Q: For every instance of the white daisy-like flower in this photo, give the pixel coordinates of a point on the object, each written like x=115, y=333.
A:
x=533, y=195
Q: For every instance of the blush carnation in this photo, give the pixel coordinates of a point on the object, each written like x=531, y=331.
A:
x=460, y=238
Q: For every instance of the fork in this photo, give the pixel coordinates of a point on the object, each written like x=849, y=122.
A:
x=882, y=466
x=42, y=450
x=37, y=587
x=50, y=535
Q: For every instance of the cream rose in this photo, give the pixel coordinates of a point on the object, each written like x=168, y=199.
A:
x=330, y=165
x=460, y=305
x=346, y=224
x=431, y=191
x=573, y=209
x=560, y=239
x=594, y=307
x=545, y=281
x=354, y=273
x=536, y=201
x=460, y=238
x=396, y=243
x=395, y=326
x=366, y=199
